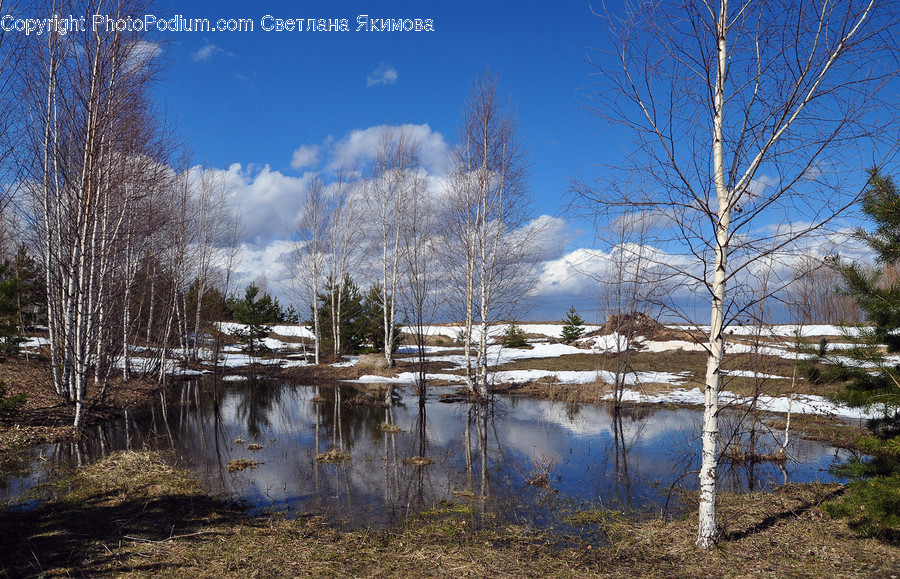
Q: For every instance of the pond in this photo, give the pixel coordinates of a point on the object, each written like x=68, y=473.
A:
x=517, y=459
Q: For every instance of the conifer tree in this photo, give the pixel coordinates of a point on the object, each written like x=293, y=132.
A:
x=871, y=379
x=573, y=326
x=514, y=337
x=257, y=313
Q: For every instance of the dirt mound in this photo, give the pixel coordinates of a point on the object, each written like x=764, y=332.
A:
x=373, y=360
x=632, y=324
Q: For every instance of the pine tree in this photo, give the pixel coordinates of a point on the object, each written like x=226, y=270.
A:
x=373, y=311
x=361, y=325
x=20, y=292
x=350, y=323
x=871, y=380
x=514, y=337
x=10, y=289
x=257, y=313
x=573, y=326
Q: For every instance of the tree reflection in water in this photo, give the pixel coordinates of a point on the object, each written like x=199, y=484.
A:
x=409, y=452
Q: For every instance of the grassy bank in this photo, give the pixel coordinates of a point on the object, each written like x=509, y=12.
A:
x=134, y=515
x=44, y=417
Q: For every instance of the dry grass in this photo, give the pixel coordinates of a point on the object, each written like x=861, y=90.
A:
x=551, y=390
x=691, y=366
x=374, y=399
x=44, y=417
x=132, y=515
x=834, y=431
x=238, y=464
x=333, y=456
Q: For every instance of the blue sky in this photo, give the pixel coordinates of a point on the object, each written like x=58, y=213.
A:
x=270, y=107
x=256, y=97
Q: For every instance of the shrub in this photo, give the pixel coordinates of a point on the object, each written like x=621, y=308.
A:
x=514, y=337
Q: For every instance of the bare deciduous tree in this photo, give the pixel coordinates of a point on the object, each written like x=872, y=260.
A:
x=89, y=99
x=743, y=113
x=394, y=180
x=631, y=287
x=815, y=294
x=344, y=237
x=11, y=122
x=419, y=293
x=488, y=209
x=308, y=262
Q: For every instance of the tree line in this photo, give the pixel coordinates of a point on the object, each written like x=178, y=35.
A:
x=112, y=239
x=460, y=247
x=125, y=250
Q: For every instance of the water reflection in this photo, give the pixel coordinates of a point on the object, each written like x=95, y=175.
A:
x=517, y=457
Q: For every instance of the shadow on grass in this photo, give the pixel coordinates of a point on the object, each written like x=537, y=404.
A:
x=771, y=520
x=84, y=537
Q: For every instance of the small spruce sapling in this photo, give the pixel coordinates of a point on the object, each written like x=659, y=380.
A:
x=573, y=326
x=514, y=337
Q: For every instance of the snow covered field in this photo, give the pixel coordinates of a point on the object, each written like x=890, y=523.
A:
x=781, y=344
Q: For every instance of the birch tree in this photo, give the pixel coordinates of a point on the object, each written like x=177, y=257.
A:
x=11, y=59
x=394, y=180
x=488, y=208
x=420, y=294
x=742, y=113
x=343, y=237
x=88, y=96
x=308, y=261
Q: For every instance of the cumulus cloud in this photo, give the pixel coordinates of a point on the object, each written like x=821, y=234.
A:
x=267, y=202
x=359, y=146
x=581, y=276
x=305, y=156
x=573, y=274
x=547, y=236
x=267, y=261
x=383, y=74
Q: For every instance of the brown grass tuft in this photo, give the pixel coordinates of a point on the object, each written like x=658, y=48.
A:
x=333, y=456
x=237, y=464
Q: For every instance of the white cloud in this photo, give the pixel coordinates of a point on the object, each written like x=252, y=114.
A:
x=141, y=53
x=758, y=186
x=267, y=202
x=383, y=74
x=359, y=146
x=580, y=276
x=267, y=261
x=574, y=273
x=145, y=49
x=547, y=236
x=209, y=50
x=305, y=156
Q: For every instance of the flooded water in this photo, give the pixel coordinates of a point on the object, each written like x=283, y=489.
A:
x=485, y=457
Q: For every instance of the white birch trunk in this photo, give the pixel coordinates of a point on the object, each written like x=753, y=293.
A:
x=706, y=532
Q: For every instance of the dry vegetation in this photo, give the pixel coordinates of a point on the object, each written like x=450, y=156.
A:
x=44, y=418
x=133, y=515
x=239, y=464
x=333, y=456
